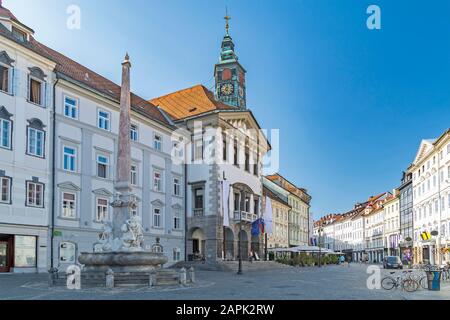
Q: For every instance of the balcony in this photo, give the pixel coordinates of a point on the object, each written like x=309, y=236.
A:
x=246, y=217
x=198, y=213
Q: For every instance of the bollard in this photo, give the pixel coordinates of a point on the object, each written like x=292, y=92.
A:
x=110, y=279
x=52, y=276
x=152, y=279
x=183, y=276
x=192, y=275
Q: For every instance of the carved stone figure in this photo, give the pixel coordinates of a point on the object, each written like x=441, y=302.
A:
x=133, y=234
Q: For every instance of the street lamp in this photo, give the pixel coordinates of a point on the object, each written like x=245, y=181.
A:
x=320, y=248
x=239, y=238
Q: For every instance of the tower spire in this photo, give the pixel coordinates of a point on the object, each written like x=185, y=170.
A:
x=227, y=19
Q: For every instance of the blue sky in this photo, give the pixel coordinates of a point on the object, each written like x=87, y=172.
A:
x=352, y=104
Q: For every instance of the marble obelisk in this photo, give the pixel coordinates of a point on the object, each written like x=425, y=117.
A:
x=122, y=240
x=124, y=200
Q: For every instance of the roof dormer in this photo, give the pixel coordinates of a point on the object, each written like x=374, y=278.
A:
x=19, y=31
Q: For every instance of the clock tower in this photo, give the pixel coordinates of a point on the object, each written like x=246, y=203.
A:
x=229, y=74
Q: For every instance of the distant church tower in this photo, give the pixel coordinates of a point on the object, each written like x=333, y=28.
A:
x=229, y=74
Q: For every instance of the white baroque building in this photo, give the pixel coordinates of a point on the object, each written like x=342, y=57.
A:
x=392, y=224
x=59, y=124
x=25, y=148
x=224, y=149
x=431, y=205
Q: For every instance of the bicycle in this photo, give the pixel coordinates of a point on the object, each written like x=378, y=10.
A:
x=420, y=278
x=405, y=281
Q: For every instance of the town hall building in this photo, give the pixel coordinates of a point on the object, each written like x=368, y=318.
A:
x=225, y=151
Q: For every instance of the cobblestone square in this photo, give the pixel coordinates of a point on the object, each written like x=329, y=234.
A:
x=327, y=283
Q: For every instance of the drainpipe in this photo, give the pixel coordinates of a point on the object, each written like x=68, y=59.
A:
x=52, y=226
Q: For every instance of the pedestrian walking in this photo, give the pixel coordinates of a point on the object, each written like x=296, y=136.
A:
x=342, y=260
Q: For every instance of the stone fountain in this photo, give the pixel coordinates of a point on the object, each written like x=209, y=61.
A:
x=120, y=249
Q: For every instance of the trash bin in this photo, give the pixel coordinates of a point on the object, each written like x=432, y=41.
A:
x=434, y=280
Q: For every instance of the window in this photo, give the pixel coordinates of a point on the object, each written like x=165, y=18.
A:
x=35, y=91
x=176, y=254
x=5, y=133
x=224, y=148
x=177, y=220
x=5, y=190
x=19, y=35
x=25, y=252
x=256, y=165
x=134, y=132
x=35, y=194
x=198, y=149
x=198, y=201
x=247, y=204
x=177, y=150
x=176, y=187
x=237, y=202
x=448, y=149
x=70, y=108
x=69, y=159
x=157, y=181
x=157, y=218
x=158, y=142
x=4, y=78
x=236, y=151
x=35, y=145
x=67, y=252
x=69, y=205
x=102, y=167
x=102, y=210
x=134, y=175
x=103, y=120
x=247, y=159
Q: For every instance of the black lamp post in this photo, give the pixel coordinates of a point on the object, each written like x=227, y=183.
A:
x=240, y=236
x=320, y=248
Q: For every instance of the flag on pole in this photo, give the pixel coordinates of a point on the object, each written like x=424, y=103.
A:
x=225, y=203
x=268, y=217
x=258, y=227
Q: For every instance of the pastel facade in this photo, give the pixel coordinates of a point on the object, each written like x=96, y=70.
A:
x=299, y=219
x=431, y=193
x=25, y=149
x=392, y=225
x=279, y=238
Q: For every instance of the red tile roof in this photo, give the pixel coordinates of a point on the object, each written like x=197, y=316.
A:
x=80, y=74
x=269, y=193
x=6, y=13
x=85, y=76
x=189, y=102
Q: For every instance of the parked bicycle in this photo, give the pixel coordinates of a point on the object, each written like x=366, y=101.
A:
x=404, y=281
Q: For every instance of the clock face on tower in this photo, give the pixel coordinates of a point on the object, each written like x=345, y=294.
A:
x=227, y=89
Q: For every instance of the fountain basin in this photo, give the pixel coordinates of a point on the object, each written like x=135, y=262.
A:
x=122, y=262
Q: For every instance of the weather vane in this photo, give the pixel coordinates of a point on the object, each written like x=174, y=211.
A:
x=227, y=19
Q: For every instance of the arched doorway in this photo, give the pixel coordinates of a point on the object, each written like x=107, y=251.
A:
x=228, y=244
x=244, y=244
x=196, y=244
